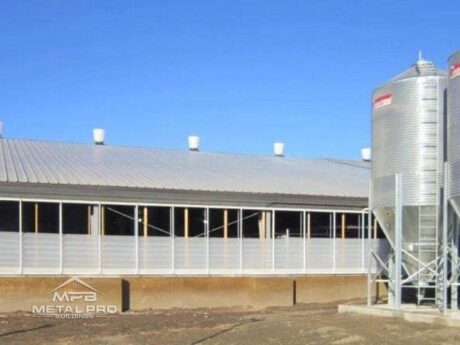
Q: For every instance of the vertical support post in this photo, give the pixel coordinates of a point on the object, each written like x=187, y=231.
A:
x=263, y=225
x=99, y=236
x=36, y=217
x=369, y=247
x=102, y=213
x=146, y=221
x=89, y=220
x=308, y=225
x=206, y=215
x=21, y=269
x=61, y=252
x=136, y=236
x=334, y=242
x=304, y=236
x=342, y=225
x=186, y=213
x=445, y=241
x=361, y=235
x=375, y=228
x=369, y=263
x=398, y=241
x=454, y=259
x=225, y=224
x=172, y=212
x=454, y=266
x=273, y=240
x=240, y=232
x=391, y=282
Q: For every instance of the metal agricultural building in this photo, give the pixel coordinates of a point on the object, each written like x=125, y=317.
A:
x=87, y=209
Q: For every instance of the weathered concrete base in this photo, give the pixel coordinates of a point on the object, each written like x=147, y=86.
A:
x=209, y=292
x=409, y=313
x=21, y=293
x=326, y=289
x=141, y=293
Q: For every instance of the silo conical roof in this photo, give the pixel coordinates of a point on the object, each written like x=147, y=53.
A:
x=420, y=68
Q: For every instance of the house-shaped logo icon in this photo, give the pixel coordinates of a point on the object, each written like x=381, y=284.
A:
x=74, y=289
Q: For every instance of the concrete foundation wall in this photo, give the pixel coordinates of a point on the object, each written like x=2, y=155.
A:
x=141, y=293
x=324, y=289
x=174, y=292
x=21, y=293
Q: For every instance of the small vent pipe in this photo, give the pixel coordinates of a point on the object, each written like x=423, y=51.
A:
x=99, y=136
x=278, y=149
x=193, y=143
x=366, y=154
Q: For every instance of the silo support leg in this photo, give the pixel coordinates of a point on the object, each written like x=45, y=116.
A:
x=391, y=281
x=398, y=242
x=454, y=287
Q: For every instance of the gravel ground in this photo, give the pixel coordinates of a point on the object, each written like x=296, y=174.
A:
x=302, y=324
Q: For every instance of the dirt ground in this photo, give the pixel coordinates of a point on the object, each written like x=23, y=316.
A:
x=302, y=324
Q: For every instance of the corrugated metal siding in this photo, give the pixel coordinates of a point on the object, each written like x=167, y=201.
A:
x=80, y=253
x=383, y=191
x=319, y=257
x=289, y=253
x=190, y=255
x=257, y=255
x=453, y=131
x=348, y=254
x=118, y=254
x=41, y=255
x=9, y=252
x=224, y=255
x=155, y=254
x=116, y=166
x=405, y=137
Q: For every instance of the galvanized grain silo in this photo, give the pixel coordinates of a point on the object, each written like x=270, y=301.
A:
x=453, y=132
x=407, y=139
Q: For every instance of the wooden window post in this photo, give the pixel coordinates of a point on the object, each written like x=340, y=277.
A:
x=146, y=222
x=225, y=223
x=186, y=213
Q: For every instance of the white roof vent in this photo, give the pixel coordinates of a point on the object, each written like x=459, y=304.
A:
x=194, y=143
x=366, y=154
x=278, y=149
x=99, y=136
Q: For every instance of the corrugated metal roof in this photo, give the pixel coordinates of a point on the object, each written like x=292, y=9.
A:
x=45, y=162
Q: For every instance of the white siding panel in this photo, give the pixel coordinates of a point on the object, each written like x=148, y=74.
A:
x=224, y=255
x=80, y=254
x=319, y=252
x=257, y=255
x=9, y=252
x=155, y=255
x=118, y=254
x=190, y=255
x=289, y=254
x=41, y=253
x=348, y=255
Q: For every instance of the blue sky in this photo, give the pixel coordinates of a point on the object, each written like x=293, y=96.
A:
x=241, y=74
